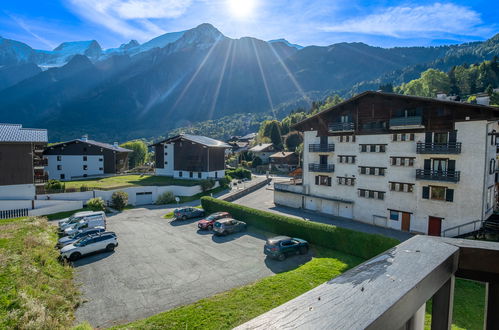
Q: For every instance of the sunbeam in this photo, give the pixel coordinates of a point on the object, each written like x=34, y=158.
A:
x=220, y=79
x=269, y=97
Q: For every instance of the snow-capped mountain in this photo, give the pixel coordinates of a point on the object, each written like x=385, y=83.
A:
x=63, y=53
x=284, y=41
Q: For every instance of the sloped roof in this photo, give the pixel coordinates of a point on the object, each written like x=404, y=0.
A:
x=248, y=136
x=95, y=143
x=206, y=141
x=261, y=147
x=16, y=133
x=281, y=154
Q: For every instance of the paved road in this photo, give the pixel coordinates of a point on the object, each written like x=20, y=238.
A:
x=160, y=264
x=263, y=199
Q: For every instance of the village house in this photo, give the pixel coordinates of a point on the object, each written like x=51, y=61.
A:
x=263, y=151
x=409, y=163
x=284, y=161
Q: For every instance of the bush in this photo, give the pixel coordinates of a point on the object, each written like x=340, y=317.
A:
x=344, y=240
x=119, y=200
x=225, y=181
x=165, y=198
x=207, y=184
x=55, y=185
x=96, y=204
x=239, y=173
x=257, y=161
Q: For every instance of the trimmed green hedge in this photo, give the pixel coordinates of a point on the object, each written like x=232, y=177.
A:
x=344, y=240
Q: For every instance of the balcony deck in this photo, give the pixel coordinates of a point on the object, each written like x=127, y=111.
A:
x=326, y=168
x=438, y=148
x=432, y=175
x=342, y=127
x=401, y=123
x=321, y=147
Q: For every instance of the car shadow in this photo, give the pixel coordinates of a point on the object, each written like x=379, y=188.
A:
x=91, y=258
x=234, y=236
x=290, y=263
x=204, y=232
x=176, y=223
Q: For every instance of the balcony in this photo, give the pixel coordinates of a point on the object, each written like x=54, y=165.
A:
x=374, y=126
x=438, y=148
x=40, y=162
x=342, y=127
x=390, y=291
x=41, y=179
x=321, y=147
x=326, y=168
x=406, y=123
x=432, y=175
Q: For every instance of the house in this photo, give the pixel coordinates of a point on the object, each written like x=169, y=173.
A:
x=284, y=161
x=21, y=161
x=81, y=158
x=409, y=163
x=190, y=157
x=263, y=151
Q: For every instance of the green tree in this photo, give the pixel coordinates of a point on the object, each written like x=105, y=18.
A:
x=292, y=140
x=139, y=152
x=275, y=135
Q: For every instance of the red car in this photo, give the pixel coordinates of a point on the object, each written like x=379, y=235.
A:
x=207, y=223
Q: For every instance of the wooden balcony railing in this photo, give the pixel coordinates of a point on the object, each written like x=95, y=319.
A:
x=438, y=148
x=342, y=127
x=390, y=291
x=405, y=122
x=321, y=167
x=40, y=162
x=41, y=179
x=432, y=175
x=321, y=147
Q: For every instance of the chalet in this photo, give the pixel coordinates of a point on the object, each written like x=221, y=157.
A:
x=263, y=151
x=21, y=161
x=409, y=163
x=284, y=161
x=81, y=158
x=190, y=157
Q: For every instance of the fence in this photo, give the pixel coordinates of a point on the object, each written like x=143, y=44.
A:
x=9, y=214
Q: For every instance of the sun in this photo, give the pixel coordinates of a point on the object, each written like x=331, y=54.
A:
x=241, y=8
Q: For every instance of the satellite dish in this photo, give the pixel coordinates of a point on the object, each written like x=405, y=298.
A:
x=177, y=199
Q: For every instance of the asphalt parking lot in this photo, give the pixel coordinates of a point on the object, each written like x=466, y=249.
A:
x=159, y=265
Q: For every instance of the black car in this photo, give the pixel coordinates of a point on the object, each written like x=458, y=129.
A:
x=280, y=247
x=79, y=234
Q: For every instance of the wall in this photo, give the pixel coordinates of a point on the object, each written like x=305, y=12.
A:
x=20, y=191
x=195, y=175
x=42, y=207
x=167, y=157
x=16, y=163
x=287, y=199
x=72, y=166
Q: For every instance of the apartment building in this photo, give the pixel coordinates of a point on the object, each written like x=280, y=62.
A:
x=410, y=163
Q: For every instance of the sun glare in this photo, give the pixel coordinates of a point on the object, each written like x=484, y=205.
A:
x=241, y=8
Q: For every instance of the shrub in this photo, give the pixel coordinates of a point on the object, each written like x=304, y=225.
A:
x=165, y=198
x=225, y=181
x=119, y=200
x=55, y=185
x=344, y=240
x=257, y=161
x=239, y=173
x=207, y=184
x=96, y=204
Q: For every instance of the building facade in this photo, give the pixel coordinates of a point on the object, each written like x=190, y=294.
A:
x=263, y=151
x=190, y=157
x=408, y=163
x=81, y=158
x=21, y=161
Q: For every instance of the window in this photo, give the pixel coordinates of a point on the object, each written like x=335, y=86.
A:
x=166, y=163
x=438, y=193
x=346, y=181
x=372, y=170
x=59, y=158
x=382, y=148
x=323, y=159
x=101, y=169
x=216, y=175
x=372, y=194
x=84, y=158
x=85, y=167
x=323, y=180
x=490, y=197
x=402, y=161
x=199, y=175
x=347, y=159
x=394, y=215
x=100, y=160
x=373, y=148
x=166, y=154
x=492, y=166
x=62, y=176
x=441, y=137
x=346, y=138
x=401, y=186
x=191, y=174
x=59, y=167
x=403, y=137
x=85, y=149
x=363, y=148
x=180, y=174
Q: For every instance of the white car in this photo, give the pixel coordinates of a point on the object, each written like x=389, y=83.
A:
x=77, y=217
x=86, y=223
x=106, y=241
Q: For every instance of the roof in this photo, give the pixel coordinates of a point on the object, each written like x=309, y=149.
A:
x=248, y=136
x=95, y=143
x=282, y=154
x=277, y=239
x=407, y=97
x=261, y=147
x=206, y=141
x=16, y=133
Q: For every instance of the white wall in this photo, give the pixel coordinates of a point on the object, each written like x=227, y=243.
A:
x=195, y=175
x=169, y=152
x=42, y=207
x=18, y=191
x=72, y=166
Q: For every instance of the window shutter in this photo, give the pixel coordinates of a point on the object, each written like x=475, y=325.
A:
x=428, y=137
x=411, y=137
x=329, y=181
x=449, y=195
x=426, y=192
x=452, y=137
x=427, y=164
x=316, y=179
x=394, y=137
x=353, y=138
x=451, y=167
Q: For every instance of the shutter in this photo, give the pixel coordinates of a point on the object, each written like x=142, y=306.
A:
x=428, y=137
x=412, y=137
x=329, y=181
x=451, y=166
x=452, y=137
x=426, y=192
x=427, y=164
x=353, y=138
x=449, y=195
x=317, y=180
x=394, y=137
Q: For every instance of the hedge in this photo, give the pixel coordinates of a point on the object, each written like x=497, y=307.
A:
x=341, y=239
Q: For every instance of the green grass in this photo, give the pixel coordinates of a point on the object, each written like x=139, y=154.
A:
x=65, y=214
x=36, y=290
x=236, y=306
x=124, y=181
x=469, y=306
x=186, y=199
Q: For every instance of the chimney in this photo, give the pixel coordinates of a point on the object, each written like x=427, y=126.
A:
x=483, y=100
x=84, y=137
x=441, y=96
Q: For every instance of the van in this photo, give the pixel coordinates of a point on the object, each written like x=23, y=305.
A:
x=91, y=221
x=76, y=217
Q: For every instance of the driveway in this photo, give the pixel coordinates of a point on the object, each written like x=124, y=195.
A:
x=159, y=265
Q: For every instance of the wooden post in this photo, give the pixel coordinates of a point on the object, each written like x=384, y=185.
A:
x=491, y=311
x=441, y=313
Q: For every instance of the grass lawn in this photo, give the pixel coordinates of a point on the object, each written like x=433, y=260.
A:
x=231, y=308
x=36, y=290
x=125, y=181
x=65, y=214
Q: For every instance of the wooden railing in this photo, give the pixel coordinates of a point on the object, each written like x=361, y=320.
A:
x=341, y=127
x=390, y=291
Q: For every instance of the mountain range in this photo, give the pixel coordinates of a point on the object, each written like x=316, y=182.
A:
x=145, y=90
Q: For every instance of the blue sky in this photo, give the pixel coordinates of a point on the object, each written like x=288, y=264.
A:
x=45, y=24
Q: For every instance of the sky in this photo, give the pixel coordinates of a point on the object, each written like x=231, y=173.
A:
x=45, y=24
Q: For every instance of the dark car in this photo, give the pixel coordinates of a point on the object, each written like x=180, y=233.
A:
x=79, y=234
x=280, y=247
x=187, y=212
x=228, y=226
x=207, y=223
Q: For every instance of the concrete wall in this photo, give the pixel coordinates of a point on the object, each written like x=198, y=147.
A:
x=18, y=191
x=42, y=207
x=195, y=175
x=72, y=166
x=169, y=151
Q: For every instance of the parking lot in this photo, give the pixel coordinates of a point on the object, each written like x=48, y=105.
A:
x=161, y=264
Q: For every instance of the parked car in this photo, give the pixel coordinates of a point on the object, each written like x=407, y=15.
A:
x=280, y=247
x=86, y=223
x=187, y=212
x=207, y=223
x=228, y=226
x=78, y=235
x=106, y=241
x=74, y=219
